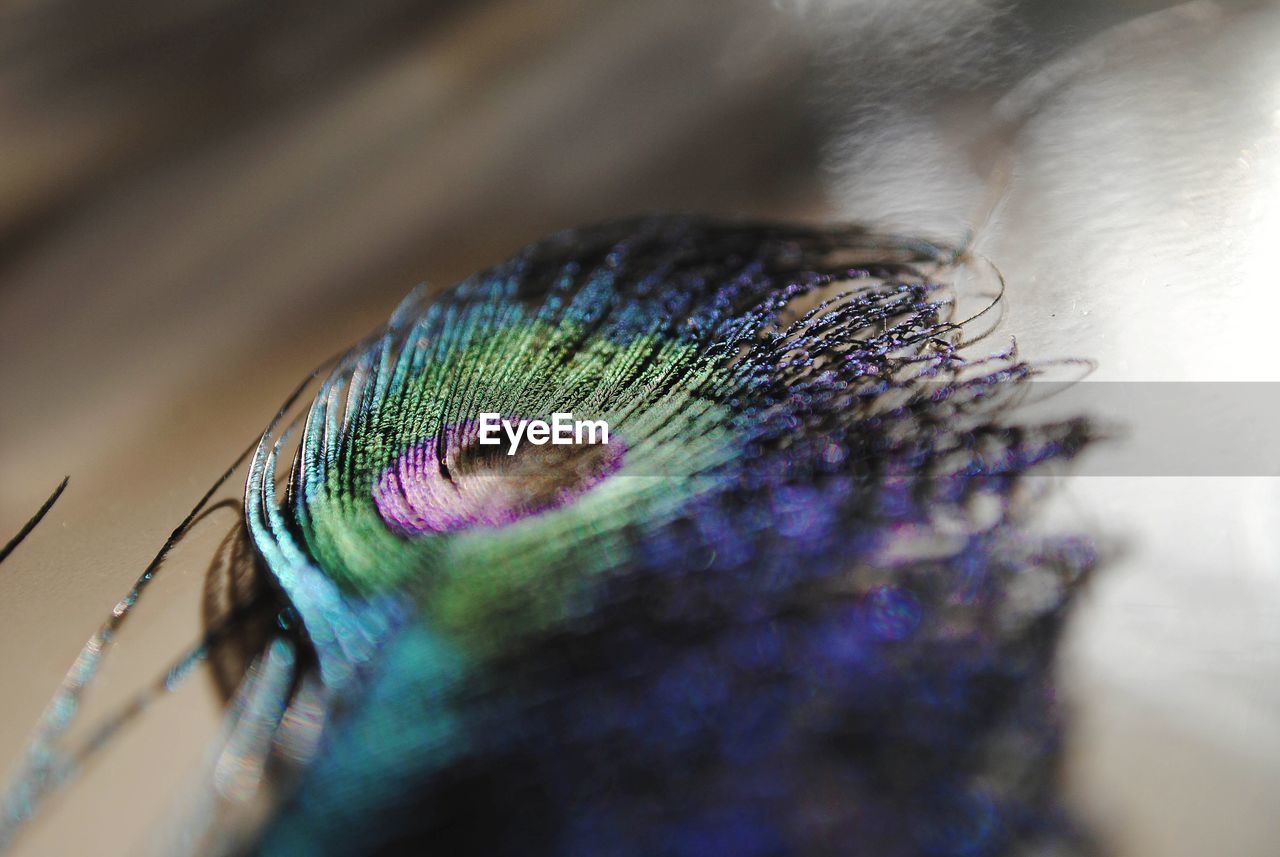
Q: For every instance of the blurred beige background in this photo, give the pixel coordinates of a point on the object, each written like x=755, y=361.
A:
x=200, y=201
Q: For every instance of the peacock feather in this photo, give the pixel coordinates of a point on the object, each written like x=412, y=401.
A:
x=789, y=605
x=772, y=614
